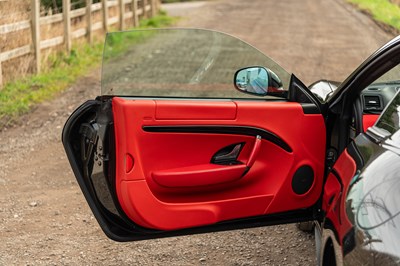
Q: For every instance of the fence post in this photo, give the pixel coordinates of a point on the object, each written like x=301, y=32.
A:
x=36, y=33
x=89, y=20
x=67, y=24
x=121, y=14
x=144, y=3
x=158, y=5
x=134, y=13
x=153, y=8
x=105, y=15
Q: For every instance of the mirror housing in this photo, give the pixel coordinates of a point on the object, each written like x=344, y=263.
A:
x=259, y=81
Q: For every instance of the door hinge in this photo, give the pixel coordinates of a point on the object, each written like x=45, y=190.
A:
x=90, y=140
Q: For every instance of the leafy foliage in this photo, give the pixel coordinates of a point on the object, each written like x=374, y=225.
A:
x=56, y=5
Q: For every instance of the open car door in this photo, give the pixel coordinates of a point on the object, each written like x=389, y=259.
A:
x=195, y=131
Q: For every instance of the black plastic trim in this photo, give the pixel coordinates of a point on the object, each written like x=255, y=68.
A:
x=310, y=108
x=355, y=154
x=358, y=116
x=298, y=92
x=250, y=222
x=237, y=130
x=303, y=179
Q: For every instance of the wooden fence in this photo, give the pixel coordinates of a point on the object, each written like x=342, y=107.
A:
x=146, y=7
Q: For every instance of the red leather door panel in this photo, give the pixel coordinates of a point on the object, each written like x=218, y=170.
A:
x=164, y=175
x=369, y=120
x=335, y=191
x=183, y=110
x=199, y=175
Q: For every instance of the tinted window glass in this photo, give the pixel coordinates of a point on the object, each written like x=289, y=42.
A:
x=179, y=63
x=390, y=118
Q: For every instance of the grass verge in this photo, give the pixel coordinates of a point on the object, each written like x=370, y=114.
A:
x=383, y=11
x=18, y=97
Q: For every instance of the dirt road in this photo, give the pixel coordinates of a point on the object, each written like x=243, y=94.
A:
x=44, y=218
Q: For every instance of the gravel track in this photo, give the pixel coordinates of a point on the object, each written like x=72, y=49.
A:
x=44, y=217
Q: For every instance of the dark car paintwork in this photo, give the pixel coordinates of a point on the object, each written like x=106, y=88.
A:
x=369, y=232
x=372, y=206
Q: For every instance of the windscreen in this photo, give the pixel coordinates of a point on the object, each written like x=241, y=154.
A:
x=190, y=63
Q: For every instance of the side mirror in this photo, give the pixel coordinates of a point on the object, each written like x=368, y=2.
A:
x=258, y=81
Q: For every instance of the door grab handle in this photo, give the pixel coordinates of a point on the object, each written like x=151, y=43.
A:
x=254, y=152
x=198, y=175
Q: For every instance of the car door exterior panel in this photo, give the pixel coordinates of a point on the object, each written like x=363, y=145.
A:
x=169, y=181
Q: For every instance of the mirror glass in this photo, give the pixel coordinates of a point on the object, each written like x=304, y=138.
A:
x=259, y=81
x=252, y=80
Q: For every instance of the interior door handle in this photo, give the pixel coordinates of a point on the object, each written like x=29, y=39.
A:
x=230, y=156
x=254, y=152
